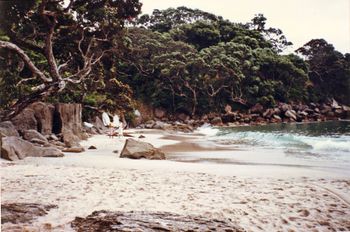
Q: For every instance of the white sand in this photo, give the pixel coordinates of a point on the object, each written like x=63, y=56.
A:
x=258, y=198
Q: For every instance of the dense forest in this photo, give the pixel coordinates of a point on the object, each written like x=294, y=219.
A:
x=107, y=56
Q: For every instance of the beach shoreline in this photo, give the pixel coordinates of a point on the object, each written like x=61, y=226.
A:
x=255, y=197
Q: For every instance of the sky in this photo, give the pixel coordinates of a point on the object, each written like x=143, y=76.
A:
x=300, y=20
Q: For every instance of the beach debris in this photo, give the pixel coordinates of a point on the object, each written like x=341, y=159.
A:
x=134, y=149
x=142, y=137
x=15, y=148
x=23, y=212
x=150, y=221
x=92, y=147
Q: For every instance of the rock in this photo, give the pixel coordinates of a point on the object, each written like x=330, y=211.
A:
x=150, y=124
x=183, y=117
x=98, y=124
x=15, y=148
x=43, y=114
x=39, y=142
x=159, y=125
x=325, y=109
x=33, y=134
x=53, y=137
x=142, y=137
x=268, y=113
x=229, y=117
x=8, y=129
x=67, y=119
x=74, y=149
x=285, y=107
x=150, y=221
x=290, y=114
x=92, y=147
x=16, y=213
x=217, y=121
x=257, y=109
x=228, y=109
x=159, y=112
x=25, y=120
x=69, y=139
x=134, y=149
x=335, y=104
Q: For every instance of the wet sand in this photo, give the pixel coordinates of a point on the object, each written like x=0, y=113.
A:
x=257, y=198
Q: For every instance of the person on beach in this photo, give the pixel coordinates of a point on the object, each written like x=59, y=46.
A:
x=120, y=132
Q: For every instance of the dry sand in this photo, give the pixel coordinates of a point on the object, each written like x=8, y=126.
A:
x=258, y=198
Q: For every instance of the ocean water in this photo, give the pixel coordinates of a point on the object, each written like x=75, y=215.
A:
x=321, y=144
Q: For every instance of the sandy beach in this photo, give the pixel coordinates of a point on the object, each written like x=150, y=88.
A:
x=255, y=197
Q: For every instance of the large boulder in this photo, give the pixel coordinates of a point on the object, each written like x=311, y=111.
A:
x=8, y=129
x=134, y=149
x=43, y=113
x=25, y=120
x=15, y=148
x=33, y=134
x=68, y=118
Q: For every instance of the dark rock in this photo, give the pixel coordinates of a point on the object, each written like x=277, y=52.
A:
x=142, y=137
x=8, y=129
x=150, y=221
x=74, y=149
x=16, y=213
x=217, y=121
x=229, y=117
x=92, y=147
x=183, y=117
x=257, y=109
x=43, y=114
x=160, y=112
x=25, y=120
x=15, y=148
x=33, y=134
x=134, y=149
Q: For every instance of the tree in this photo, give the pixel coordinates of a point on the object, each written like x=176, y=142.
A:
x=329, y=71
x=273, y=35
x=60, y=42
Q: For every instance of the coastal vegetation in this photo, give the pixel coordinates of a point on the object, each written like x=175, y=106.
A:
x=105, y=55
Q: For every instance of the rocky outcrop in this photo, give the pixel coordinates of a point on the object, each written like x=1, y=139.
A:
x=134, y=149
x=8, y=129
x=68, y=122
x=15, y=148
x=150, y=221
x=23, y=212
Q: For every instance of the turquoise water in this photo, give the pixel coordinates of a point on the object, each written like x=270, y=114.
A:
x=321, y=145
